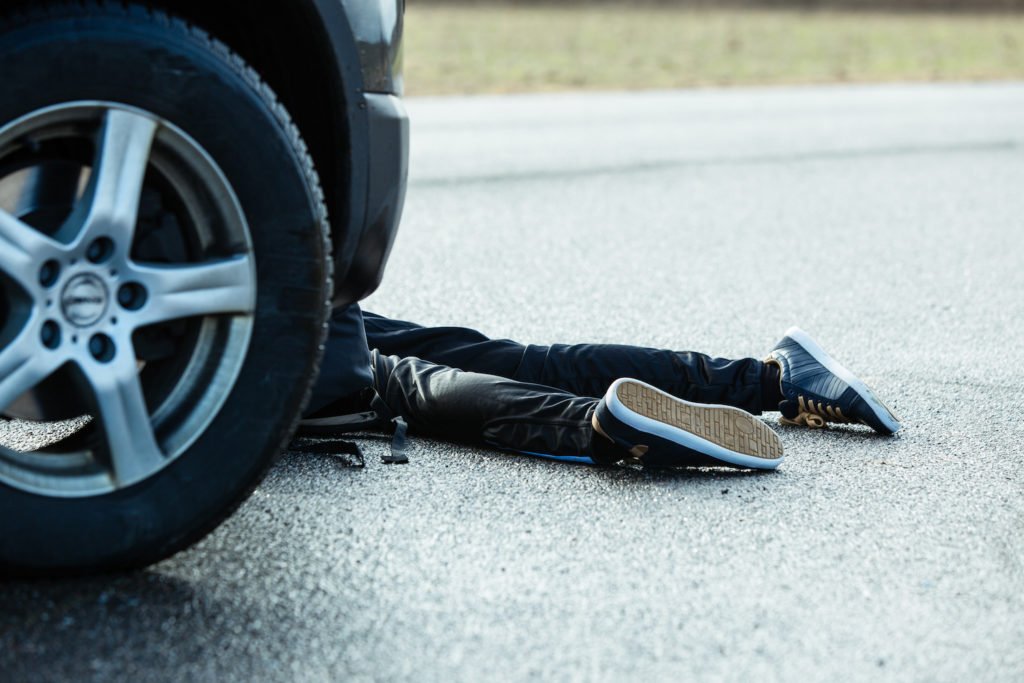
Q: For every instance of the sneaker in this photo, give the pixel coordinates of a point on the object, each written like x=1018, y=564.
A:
x=659, y=430
x=818, y=390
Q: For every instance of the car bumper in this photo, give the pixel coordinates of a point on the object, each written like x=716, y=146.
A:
x=366, y=38
x=385, y=163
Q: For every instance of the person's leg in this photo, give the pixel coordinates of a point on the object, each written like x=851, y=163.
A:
x=452, y=404
x=582, y=369
x=632, y=422
x=454, y=347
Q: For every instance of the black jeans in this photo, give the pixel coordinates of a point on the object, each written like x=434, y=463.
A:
x=455, y=383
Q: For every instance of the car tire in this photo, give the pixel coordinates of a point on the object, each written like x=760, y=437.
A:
x=239, y=353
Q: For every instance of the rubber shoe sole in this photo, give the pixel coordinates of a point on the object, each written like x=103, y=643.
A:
x=724, y=434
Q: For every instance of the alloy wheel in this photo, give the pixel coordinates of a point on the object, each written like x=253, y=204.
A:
x=80, y=298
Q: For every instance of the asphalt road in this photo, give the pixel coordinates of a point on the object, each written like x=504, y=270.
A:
x=886, y=221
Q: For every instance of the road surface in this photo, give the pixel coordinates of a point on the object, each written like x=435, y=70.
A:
x=886, y=221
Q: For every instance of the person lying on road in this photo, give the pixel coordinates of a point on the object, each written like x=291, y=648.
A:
x=602, y=403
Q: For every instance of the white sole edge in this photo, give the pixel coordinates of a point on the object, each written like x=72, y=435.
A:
x=833, y=366
x=681, y=436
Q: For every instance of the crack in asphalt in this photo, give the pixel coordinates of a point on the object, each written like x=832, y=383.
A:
x=754, y=160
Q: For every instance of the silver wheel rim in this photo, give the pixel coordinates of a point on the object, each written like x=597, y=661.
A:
x=78, y=299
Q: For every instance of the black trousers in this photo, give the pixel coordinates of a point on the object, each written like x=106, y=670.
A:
x=455, y=383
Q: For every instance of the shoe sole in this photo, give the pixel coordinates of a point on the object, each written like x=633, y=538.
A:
x=881, y=411
x=724, y=433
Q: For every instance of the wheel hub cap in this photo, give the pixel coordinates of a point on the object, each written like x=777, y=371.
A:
x=84, y=300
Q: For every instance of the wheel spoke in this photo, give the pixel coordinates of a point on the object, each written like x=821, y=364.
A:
x=22, y=250
x=209, y=288
x=134, y=452
x=23, y=365
x=112, y=198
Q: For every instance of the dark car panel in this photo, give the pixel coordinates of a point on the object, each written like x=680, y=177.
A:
x=366, y=39
x=388, y=137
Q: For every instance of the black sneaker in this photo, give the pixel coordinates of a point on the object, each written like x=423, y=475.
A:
x=657, y=429
x=818, y=390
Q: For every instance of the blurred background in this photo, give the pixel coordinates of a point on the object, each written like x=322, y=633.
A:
x=495, y=46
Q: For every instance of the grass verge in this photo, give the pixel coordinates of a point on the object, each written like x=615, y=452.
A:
x=486, y=49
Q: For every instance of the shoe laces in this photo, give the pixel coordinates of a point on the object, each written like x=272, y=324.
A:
x=816, y=415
